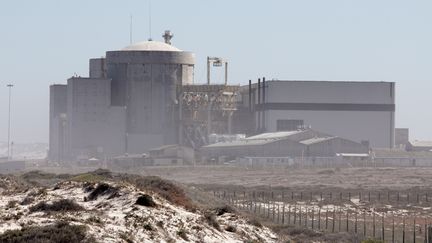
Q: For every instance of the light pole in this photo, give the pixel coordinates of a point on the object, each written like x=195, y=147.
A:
x=9, y=120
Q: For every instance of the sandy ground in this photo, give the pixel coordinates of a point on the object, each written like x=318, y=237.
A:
x=401, y=178
x=381, y=178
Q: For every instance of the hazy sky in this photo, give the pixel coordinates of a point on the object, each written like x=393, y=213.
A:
x=47, y=41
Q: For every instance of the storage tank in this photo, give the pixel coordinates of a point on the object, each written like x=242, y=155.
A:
x=144, y=80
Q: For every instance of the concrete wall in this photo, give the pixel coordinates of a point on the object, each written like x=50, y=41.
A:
x=401, y=137
x=95, y=129
x=56, y=109
x=354, y=110
x=358, y=126
x=97, y=68
x=331, y=147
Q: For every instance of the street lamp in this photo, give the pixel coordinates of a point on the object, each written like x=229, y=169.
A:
x=9, y=121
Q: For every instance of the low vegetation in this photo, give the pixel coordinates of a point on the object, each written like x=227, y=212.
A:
x=102, y=189
x=59, y=232
x=145, y=200
x=62, y=205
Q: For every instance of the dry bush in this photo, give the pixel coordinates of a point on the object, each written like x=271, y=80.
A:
x=211, y=219
x=62, y=205
x=231, y=228
x=255, y=222
x=27, y=200
x=165, y=189
x=101, y=190
x=223, y=210
x=59, y=232
x=146, y=200
x=182, y=233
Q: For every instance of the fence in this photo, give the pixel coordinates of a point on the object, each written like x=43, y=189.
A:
x=319, y=213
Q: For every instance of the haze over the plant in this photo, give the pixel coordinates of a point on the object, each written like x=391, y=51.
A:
x=45, y=42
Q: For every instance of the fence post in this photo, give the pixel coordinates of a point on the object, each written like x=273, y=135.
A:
x=268, y=209
x=300, y=215
x=355, y=225
x=326, y=221
x=429, y=234
x=289, y=214
x=283, y=214
x=360, y=196
x=278, y=215
x=393, y=229
x=334, y=219
x=403, y=230
x=414, y=233
x=319, y=218
x=373, y=218
x=274, y=207
x=295, y=214
x=306, y=216
x=364, y=223
x=347, y=221
x=382, y=228
x=313, y=214
x=340, y=218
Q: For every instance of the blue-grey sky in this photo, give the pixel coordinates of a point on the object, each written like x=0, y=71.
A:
x=46, y=41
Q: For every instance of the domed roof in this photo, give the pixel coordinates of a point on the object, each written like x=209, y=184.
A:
x=150, y=46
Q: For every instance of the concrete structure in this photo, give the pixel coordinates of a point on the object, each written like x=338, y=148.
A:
x=145, y=77
x=94, y=128
x=299, y=143
x=57, y=125
x=172, y=155
x=359, y=111
x=401, y=137
x=129, y=103
x=419, y=146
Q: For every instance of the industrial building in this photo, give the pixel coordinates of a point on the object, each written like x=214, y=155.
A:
x=143, y=97
x=360, y=111
x=135, y=99
x=298, y=143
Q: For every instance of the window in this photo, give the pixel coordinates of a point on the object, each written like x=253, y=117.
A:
x=289, y=125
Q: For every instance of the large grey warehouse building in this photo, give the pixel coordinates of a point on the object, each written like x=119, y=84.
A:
x=360, y=111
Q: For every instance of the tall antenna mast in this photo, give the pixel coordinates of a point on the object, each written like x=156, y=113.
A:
x=130, y=30
x=150, y=23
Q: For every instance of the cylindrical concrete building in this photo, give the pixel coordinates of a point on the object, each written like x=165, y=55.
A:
x=145, y=77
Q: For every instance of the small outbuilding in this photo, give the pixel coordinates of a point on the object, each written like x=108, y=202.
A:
x=299, y=143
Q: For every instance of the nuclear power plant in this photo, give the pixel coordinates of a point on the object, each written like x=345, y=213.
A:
x=144, y=96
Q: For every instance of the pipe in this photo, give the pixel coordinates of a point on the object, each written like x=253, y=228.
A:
x=259, y=102
x=263, y=104
x=250, y=95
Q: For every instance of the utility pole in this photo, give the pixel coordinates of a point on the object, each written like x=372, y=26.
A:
x=9, y=120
